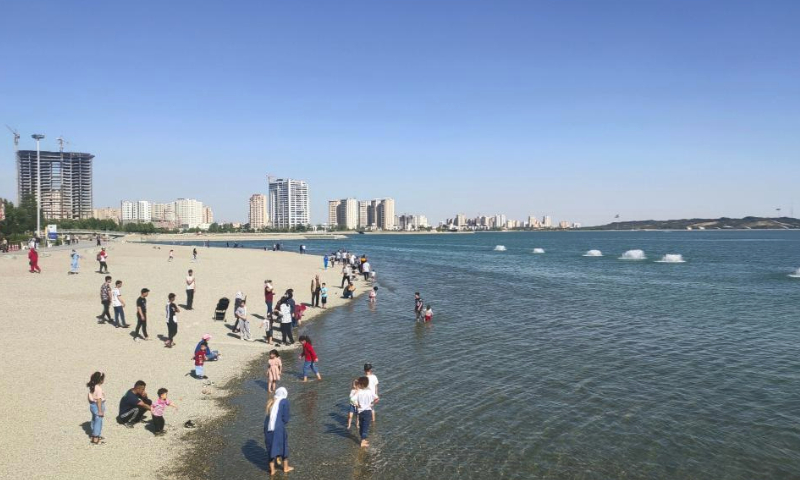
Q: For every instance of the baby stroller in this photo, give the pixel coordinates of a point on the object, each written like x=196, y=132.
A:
x=222, y=307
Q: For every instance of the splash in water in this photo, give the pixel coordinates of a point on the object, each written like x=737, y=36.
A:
x=593, y=253
x=672, y=258
x=633, y=255
x=796, y=274
x=538, y=250
x=500, y=248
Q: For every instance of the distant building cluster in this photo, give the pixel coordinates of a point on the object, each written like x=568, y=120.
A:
x=495, y=222
x=182, y=213
x=352, y=214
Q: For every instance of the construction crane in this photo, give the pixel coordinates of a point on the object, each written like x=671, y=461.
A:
x=16, y=138
x=61, y=141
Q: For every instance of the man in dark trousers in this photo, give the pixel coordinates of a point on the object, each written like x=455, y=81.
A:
x=141, y=315
x=134, y=405
x=418, y=306
x=105, y=299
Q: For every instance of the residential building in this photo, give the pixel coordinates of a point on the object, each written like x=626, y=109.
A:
x=363, y=219
x=164, y=212
x=188, y=213
x=384, y=212
x=547, y=222
x=499, y=221
x=139, y=211
x=106, y=213
x=66, y=182
x=461, y=221
x=411, y=222
x=208, y=215
x=258, y=217
x=343, y=213
x=288, y=203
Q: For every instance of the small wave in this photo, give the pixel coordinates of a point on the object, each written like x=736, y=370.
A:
x=593, y=253
x=796, y=274
x=500, y=248
x=538, y=250
x=672, y=258
x=633, y=255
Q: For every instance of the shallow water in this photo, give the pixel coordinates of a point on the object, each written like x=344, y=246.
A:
x=553, y=366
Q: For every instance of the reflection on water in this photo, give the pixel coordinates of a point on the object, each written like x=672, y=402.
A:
x=551, y=366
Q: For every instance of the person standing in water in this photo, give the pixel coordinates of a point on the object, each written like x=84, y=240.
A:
x=418, y=306
x=276, y=438
x=364, y=399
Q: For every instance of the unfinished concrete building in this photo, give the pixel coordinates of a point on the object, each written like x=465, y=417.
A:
x=66, y=182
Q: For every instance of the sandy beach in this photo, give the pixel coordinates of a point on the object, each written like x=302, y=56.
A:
x=52, y=342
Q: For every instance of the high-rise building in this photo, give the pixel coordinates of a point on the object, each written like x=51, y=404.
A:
x=343, y=213
x=384, y=211
x=288, y=203
x=258, y=211
x=140, y=211
x=363, y=219
x=547, y=222
x=499, y=221
x=106, y=213
x=188, y=213
x=164, y=212
x=66, y=183
x=208, y=215
x=461, y=220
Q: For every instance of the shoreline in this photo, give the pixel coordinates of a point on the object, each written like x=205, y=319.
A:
x=70, y=344
x=232, y=237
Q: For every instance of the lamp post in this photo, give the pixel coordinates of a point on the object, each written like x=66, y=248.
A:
x=38, y=137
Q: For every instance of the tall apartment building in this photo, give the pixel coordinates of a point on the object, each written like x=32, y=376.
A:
x=385, y=213
x=547, y=222
x=140, y=211
x=208, y=215
x=66, y=182
x=258, y=211
x=164, y=212
x=288, y=203
x=344, y=213
x=188, y=213
x=106, y=213
x=363, y=219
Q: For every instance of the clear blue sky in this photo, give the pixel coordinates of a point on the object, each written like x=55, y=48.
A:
x=576, y=109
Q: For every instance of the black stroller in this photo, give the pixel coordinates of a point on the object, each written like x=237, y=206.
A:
x=222, y=307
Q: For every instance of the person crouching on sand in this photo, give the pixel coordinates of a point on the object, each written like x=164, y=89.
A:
x=275, y=436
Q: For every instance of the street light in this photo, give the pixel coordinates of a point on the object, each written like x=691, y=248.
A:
x=38, y=137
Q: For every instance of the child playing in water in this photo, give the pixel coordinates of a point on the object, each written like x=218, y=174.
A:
x=199, y=361
x=428, y=314
x=364, y=399
x=157, y=410
x=353, y=410
x=274, y=370
x=310, y=357
x=373, y=294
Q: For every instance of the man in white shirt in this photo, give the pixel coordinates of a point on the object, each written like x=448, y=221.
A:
x=190, y=287
x=119, y=305
x=365, y=268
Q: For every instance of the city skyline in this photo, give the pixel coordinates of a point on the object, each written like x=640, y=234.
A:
x=584, y=110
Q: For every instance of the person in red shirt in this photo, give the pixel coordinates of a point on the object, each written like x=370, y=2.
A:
x=33, y=260
x=199, y=361
x=310, y=357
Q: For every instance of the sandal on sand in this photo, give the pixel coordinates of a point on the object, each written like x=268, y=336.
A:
x=189, y=424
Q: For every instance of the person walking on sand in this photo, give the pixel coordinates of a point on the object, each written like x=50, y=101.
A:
x=102, y=257
x=97, y=405
x=364, y=399
x=316, y=288
x=274, y=370
x=276, y=437
x=33, y=260
x=194, y=254
x=119, y=305
x=141, y=315
x=73, y=269
x=310, y=358
x=190, y=288
x=325, y=261
x=244, y=324
x=105, y=299
x=172, y=321
x=171, y=256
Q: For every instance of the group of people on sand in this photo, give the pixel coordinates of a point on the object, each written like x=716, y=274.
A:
x=133, y=406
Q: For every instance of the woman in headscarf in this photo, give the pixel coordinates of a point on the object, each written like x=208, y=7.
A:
x=275, y=436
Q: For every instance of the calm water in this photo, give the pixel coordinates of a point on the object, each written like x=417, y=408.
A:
x=554, y=365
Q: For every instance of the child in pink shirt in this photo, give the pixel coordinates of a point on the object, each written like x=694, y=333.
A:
x=157, y=409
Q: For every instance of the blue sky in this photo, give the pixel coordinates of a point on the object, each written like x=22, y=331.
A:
x=576, y=109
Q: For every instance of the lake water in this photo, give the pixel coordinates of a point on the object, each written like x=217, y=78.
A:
x=552, y=365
